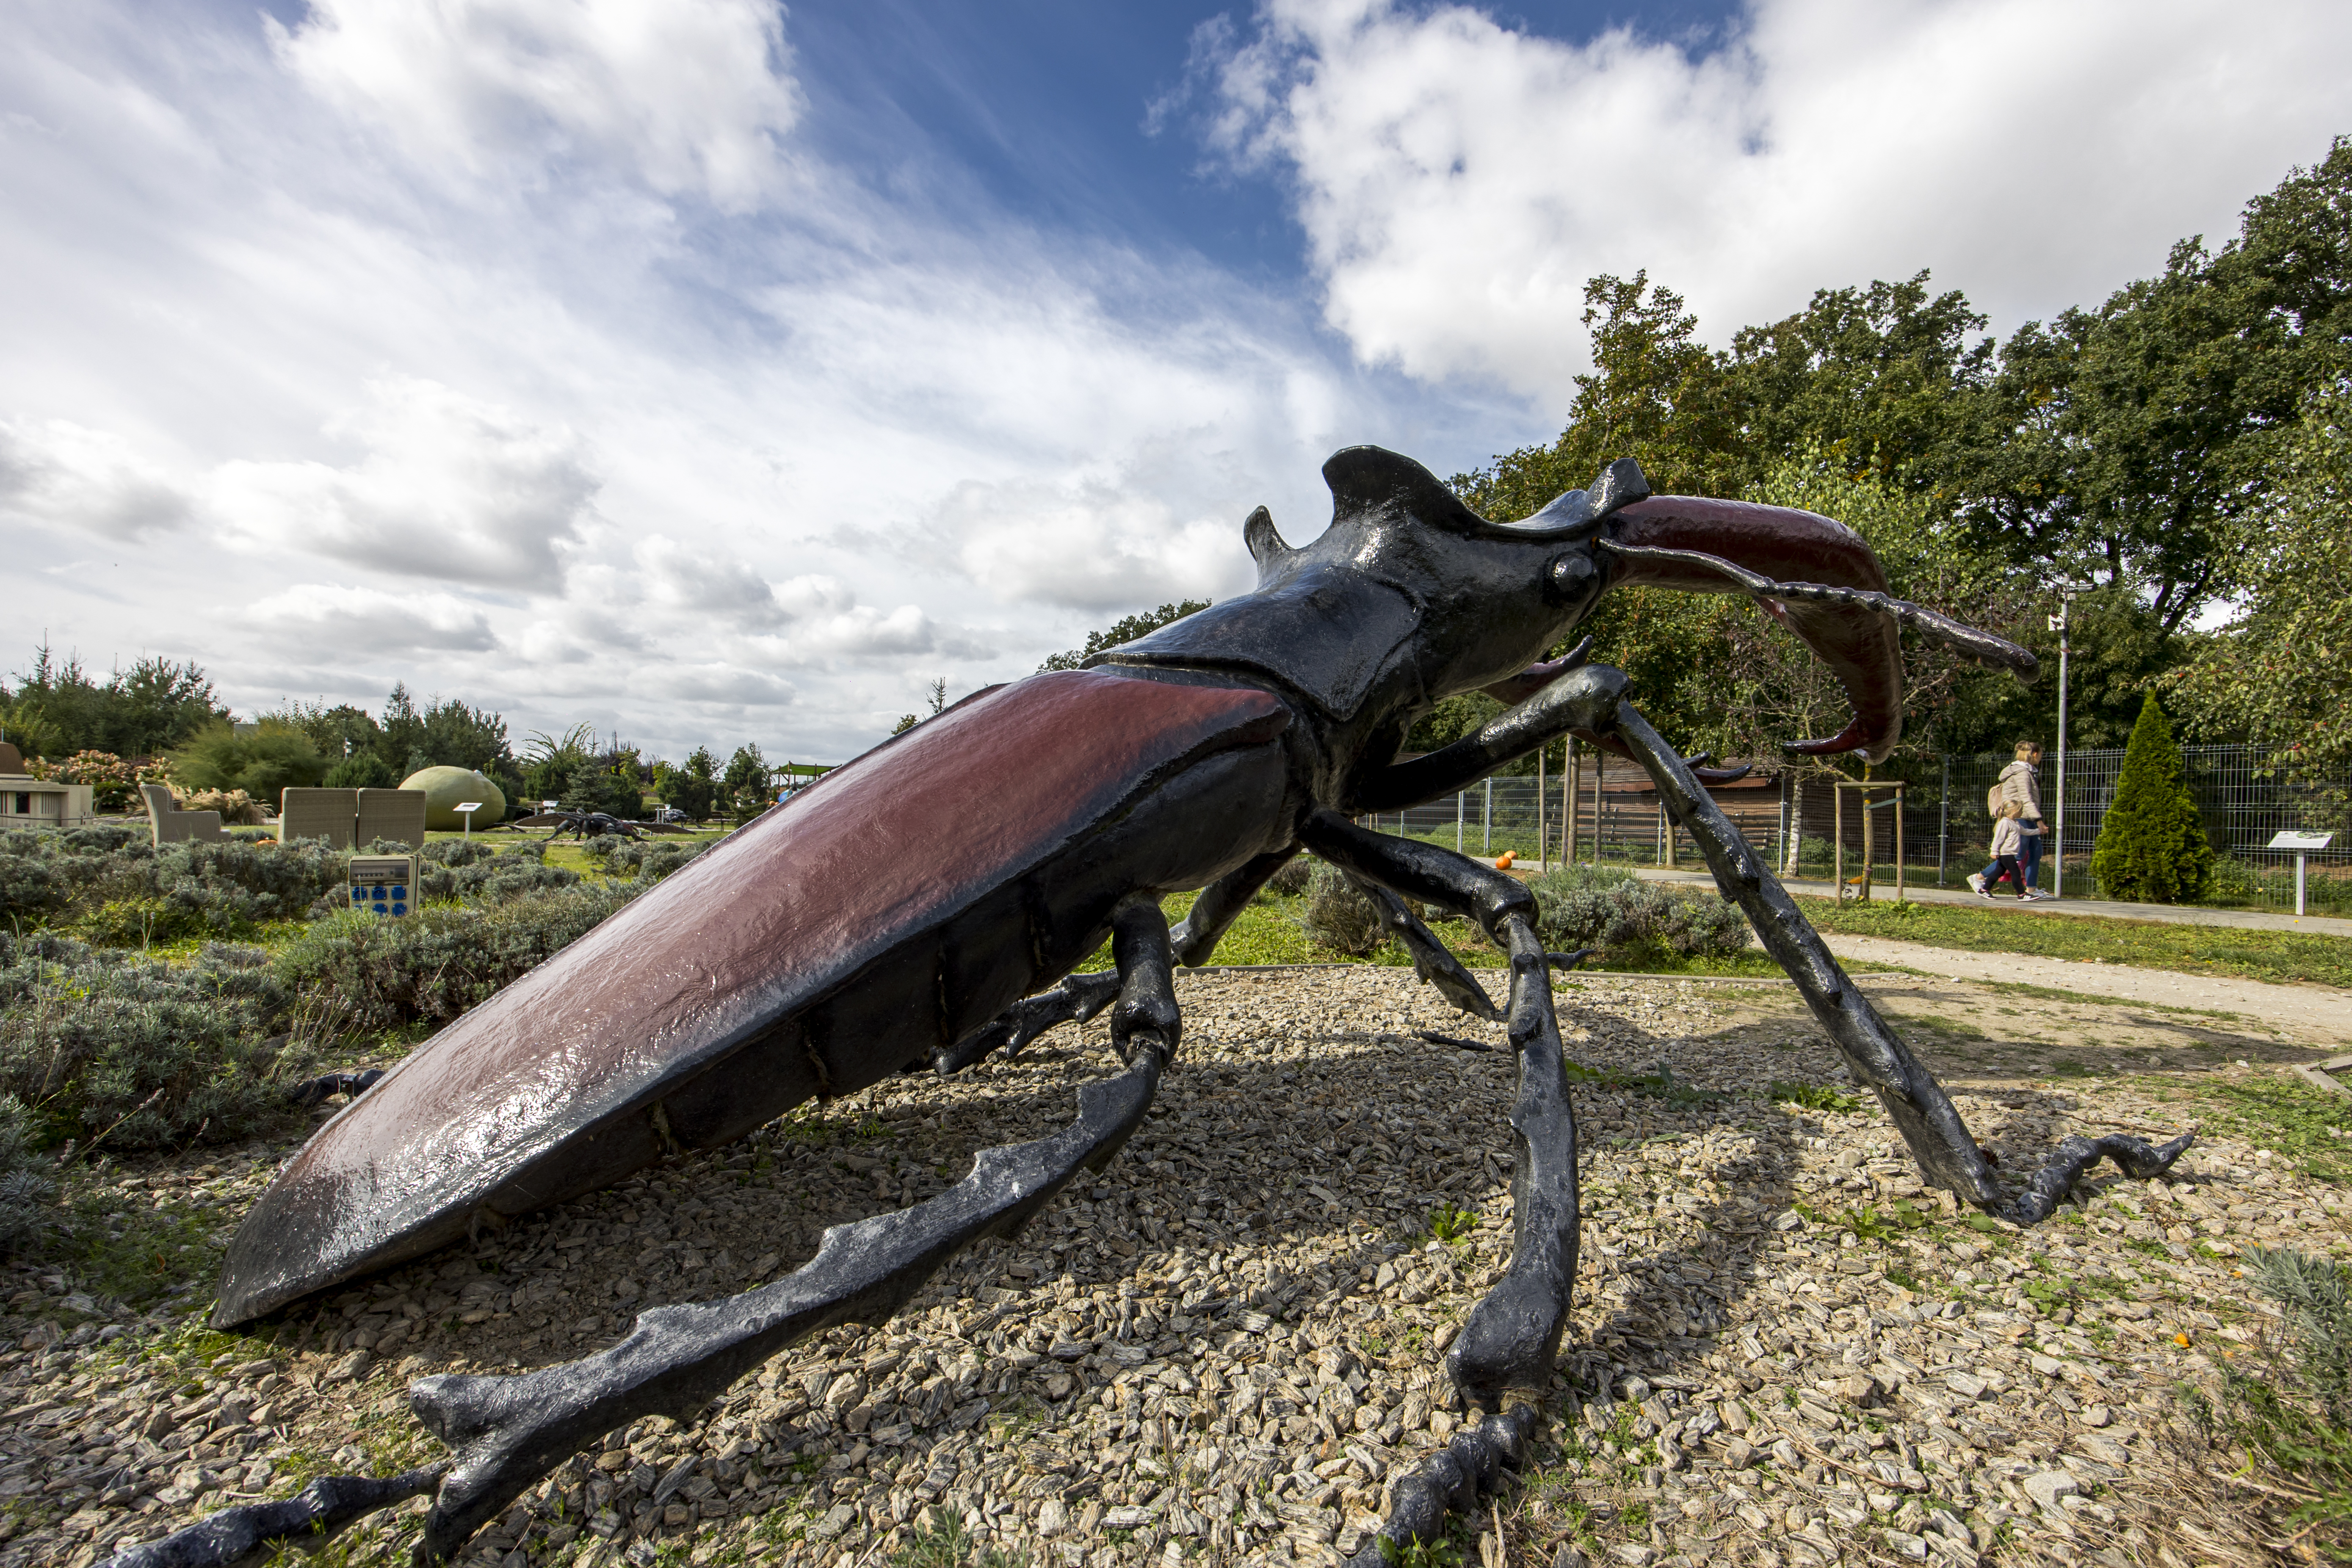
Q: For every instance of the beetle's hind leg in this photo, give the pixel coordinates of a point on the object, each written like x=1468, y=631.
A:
x=505, y=1433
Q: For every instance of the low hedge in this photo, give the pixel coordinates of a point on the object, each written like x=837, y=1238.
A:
x=109, y=885
x=1630, y=920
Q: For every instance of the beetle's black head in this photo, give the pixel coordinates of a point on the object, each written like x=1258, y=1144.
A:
x=1488, y=598
x=1407, y=597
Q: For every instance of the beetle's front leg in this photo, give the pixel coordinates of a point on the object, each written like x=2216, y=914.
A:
x=1876, y=1056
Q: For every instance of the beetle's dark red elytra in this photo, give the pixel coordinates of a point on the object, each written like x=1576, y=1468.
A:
x=800, y=957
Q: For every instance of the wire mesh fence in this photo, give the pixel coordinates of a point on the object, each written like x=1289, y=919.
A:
x=1611, y=814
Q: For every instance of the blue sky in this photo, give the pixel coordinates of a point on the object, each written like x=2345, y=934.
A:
x=713, y=370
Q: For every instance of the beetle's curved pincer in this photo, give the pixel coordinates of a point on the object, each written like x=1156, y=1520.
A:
x=1813, y=575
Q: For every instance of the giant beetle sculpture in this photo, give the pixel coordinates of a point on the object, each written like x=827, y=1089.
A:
x=789, y=964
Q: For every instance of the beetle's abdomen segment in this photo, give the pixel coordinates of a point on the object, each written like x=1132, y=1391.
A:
x=906, y=899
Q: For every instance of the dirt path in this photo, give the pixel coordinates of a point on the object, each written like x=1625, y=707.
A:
x=2316, y=1015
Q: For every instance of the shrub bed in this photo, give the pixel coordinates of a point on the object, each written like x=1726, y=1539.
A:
x=355, y=973
x=109, y=884
x=1631, y=921
x=144, y=1055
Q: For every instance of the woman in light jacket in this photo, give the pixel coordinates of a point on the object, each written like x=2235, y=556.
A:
x=2020, y=785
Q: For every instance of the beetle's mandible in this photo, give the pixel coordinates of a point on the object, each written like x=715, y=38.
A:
x=787, y=964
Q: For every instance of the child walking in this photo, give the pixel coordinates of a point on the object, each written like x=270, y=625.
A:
x=2007, y=839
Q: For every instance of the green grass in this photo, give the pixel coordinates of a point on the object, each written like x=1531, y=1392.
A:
x=2269, y=955
x=1660, y=1085
x=944, y=1543
x=2286, y=1115
x=138, y=1249
x=1812, y=1096
x=1268, y=933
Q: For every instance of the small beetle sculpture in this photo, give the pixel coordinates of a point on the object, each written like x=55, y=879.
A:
x=789, y=964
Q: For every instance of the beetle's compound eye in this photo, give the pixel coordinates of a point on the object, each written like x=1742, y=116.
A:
x=1570, y=575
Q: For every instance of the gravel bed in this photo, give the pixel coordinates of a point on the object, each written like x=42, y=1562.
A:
x=1224, y=1347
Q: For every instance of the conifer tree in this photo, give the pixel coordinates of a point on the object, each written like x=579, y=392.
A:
x=2152, y=847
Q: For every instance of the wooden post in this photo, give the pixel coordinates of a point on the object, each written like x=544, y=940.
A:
x=1600, y=770
x=1899, y=841
x=1568, y=790
x=1864, y=897
x=1567, y=803
x=1837, y=837
x=1542, y=838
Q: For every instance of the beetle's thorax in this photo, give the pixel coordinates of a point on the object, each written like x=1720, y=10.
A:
x=1408, y=597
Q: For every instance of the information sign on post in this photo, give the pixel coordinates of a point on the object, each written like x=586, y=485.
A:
x=2303, y=844
x=467, y=809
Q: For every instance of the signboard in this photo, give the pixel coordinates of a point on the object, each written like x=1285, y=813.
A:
x=2292, y=839
x=383, y=884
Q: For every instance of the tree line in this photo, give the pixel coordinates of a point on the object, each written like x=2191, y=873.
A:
x=2177, y=455
x=2177, y=450
x=162, y=720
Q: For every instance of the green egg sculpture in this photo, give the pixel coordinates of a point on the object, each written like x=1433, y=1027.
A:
x=446, y=788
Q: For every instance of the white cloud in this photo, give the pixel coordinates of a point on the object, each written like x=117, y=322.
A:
x=60, y=474
x=545, y=642
x=1459, y=182
x=705, y=583
x=1090, y=545
x=715, y=683
x=356, y=625
x=450, y=488
x=689, y=95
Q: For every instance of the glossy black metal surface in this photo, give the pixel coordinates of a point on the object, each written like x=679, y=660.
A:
x=1237, y=736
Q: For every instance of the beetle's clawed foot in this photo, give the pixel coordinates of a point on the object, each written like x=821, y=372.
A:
x=1074, y=1001
x=1450, y=1480
x=236, y=1532
x=2138, y=1158
x=1434, y=963
x=311, y=1091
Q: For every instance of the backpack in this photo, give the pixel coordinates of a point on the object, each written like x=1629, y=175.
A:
x=1992, y=799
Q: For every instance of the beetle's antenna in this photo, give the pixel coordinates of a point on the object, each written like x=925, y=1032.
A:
x=1977, y=646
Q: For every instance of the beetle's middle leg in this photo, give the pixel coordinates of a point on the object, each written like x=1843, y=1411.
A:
x=1080, y=996
x=1512, y=1338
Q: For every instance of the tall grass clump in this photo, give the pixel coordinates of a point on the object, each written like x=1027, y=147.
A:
x=2291, y=1413
x=1632, y=922
x=1338, y=915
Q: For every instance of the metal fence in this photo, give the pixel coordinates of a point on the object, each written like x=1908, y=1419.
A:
x=1946, y=829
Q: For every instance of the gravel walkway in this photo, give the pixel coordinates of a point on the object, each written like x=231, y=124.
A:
x=1222, y=1349
x=2320, y=1012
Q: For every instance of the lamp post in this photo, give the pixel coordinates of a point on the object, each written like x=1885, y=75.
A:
x=2059, y=622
